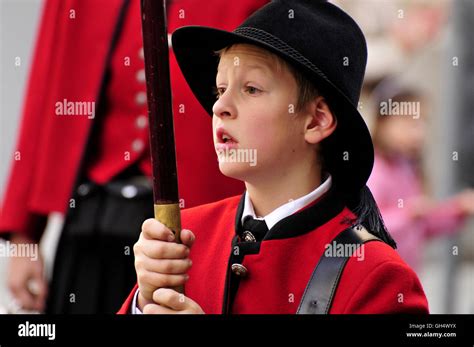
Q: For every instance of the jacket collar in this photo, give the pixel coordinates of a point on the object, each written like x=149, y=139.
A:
x=303, y=221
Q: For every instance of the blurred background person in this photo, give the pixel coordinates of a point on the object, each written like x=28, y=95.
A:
x=410, y=213
x=426, y=45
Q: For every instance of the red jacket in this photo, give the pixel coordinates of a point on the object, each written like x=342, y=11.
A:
x=69, y=63
x=378, y=282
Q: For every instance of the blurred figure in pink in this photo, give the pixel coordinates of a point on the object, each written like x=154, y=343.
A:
x=397, y=178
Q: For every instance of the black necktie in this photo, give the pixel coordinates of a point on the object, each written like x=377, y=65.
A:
x=253, y=229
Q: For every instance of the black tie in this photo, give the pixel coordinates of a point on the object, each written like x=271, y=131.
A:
x=253, y=229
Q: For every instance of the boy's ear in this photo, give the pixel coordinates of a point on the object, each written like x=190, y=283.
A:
x=320, y=121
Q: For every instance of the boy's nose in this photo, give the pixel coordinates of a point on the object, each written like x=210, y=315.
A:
x=224, y=108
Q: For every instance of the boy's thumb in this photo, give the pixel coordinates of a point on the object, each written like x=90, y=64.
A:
x=187, y=237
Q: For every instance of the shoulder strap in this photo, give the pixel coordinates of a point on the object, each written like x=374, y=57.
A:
x=319, y=292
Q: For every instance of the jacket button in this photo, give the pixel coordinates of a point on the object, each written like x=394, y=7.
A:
x=141, y=76
x=137, y=145
x=248, y=237
x=129, y=191
x=239, y=270
x=140, y=98
x=141, y=122
x=84, y=189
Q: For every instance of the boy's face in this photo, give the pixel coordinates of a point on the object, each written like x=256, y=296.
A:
x=256, y=108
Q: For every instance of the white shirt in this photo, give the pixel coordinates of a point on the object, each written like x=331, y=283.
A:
x=273, y=217
x=287, y=209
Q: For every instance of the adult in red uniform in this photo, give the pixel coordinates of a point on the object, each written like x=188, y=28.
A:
x=73, y=160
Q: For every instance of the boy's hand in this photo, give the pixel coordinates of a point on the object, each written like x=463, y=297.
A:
x=169, y=301
x=159, y=261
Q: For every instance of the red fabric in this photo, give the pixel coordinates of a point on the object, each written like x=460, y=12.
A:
x=115, y=151
x=50, y=146
x=126, y=306
x=278, y=274
x=69, y=63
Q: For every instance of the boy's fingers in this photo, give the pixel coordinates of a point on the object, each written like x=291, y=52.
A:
x=154, y=230
x=164, y=250
x=157, y=309
x=167, y=266
x=170, y=298
x=187, y=237
x=157, y=280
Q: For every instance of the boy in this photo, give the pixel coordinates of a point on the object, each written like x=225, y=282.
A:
x=287, y=85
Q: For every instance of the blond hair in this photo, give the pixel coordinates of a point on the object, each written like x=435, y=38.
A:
x=307, y=91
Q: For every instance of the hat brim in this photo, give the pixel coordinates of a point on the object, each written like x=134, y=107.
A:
x=349, y=152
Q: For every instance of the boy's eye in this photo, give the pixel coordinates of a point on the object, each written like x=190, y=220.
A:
x=252, y=90
x=218, y=92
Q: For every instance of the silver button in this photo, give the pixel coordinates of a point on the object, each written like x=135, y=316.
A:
x=140, y=98
x=83, y=189
x=248, y=237
x=141, y=53
x=141, y=121
x=239, y=270
x=137, y=145
x=141, y=76
x=129, y=191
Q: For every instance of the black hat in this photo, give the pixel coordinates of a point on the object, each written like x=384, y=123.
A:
x=318, y=39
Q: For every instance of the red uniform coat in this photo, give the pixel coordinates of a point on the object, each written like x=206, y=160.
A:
x=69, y=62
x=281, y=265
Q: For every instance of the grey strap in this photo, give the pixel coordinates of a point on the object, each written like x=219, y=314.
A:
x=319, y=292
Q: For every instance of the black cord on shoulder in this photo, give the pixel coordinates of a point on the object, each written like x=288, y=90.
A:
x=368, y=214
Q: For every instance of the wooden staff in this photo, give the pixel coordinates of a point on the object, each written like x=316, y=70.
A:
x=160, y=115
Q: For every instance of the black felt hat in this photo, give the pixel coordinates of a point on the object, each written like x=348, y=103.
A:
x=318, y=39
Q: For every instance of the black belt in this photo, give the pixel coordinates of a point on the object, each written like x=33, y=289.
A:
x=129, y=188
x=117, y=208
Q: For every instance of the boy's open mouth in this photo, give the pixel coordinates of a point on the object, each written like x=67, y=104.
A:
x=224, y=137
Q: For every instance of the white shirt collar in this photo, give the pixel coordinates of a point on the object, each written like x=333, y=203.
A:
x=287, y=209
